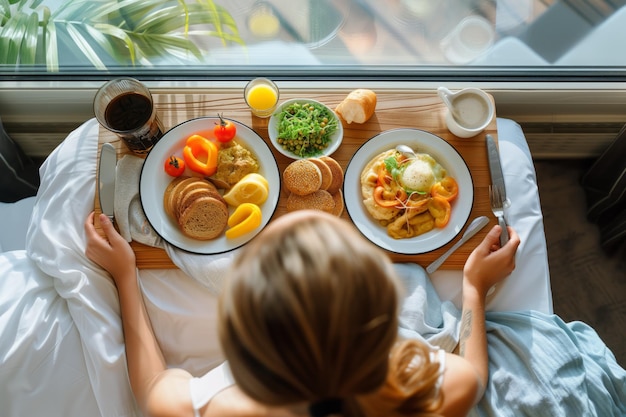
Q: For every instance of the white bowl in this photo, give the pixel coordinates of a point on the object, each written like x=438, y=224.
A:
x=272, y=129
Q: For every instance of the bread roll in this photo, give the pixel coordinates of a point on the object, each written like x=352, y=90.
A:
x=358, y=106
x=318, y=200
x=302, y=177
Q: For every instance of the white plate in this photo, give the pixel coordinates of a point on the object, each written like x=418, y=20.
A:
x=154, y=180
x=272, y=129
x=421, y=142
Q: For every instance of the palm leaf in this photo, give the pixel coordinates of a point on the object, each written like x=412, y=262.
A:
x=28, y=48
x=12, y=35
x=85, y=46
x=125, y=31
x=117, y=33
x=51, y=47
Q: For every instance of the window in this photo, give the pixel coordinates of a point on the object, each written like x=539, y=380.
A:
x=410, y=39
x=558, y=67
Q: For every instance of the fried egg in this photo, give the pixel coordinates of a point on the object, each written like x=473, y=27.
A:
x=422, y=173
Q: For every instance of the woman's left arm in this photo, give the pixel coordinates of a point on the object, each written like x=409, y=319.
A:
x=156, y=389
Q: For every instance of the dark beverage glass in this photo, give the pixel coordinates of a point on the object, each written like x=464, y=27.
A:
x=125, y=107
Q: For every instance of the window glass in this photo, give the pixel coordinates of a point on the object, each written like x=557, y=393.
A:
x=414, y=38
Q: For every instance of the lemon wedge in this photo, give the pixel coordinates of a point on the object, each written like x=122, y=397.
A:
x=253, y=188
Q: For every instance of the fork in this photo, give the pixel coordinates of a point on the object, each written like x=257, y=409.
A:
x=495, y=195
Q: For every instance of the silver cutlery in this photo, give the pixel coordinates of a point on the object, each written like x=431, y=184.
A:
x=406, y=151
x=497, y=190
x=106, y=179
x=497, y=206
x=476, y=224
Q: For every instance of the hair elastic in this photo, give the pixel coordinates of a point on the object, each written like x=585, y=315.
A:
x=326, y=407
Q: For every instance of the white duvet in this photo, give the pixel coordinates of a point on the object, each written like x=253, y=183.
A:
x=61, y=349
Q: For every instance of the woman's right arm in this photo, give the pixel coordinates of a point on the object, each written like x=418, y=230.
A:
x=466, y=375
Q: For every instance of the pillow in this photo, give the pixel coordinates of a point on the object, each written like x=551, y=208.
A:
x=19, y=177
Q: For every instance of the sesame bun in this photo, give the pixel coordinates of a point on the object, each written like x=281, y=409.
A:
x=337, y=172
x=302, y=177
x=318, y=200
x=339, y=205
x=327, y=174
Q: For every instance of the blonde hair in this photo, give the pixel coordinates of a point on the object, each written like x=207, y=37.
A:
x=410, y=388
x=309, y=312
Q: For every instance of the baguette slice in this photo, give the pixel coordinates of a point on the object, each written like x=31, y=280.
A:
x=358, y=106
x=204, y=219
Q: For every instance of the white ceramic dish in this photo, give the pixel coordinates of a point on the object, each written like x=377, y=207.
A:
x=154, y=180
x=272, y=129
x=421, y=142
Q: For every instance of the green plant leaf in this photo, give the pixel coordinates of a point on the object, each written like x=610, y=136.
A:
x=28, y=48
x=51, y=47
x=85, y=47
x=118, y=33
x=12, y=35
x=129, y=32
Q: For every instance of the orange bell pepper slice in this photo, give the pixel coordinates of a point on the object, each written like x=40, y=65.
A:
x=446, y=188
x=200, y=155
x=396, y=201
x=440, y=209
x=384, y=178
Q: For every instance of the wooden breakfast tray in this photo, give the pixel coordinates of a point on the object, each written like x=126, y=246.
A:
x=393, y=110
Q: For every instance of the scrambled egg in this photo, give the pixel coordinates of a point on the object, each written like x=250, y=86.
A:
x=233, y=163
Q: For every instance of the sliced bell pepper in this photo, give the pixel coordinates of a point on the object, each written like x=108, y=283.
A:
x=417, y=202
x=384, y=178
x=381, y=200
x=440, y=209
x=200, y=155
x=245, y=218
x=446, y=188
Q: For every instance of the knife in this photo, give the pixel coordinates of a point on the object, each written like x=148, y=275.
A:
x=475, y=226
x=106, y=179
x=497, y=180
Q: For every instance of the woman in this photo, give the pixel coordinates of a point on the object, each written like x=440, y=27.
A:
x=308, y=323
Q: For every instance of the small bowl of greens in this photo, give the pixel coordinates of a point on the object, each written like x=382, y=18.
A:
x=304, y=128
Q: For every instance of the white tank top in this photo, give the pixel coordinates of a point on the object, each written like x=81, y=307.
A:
x=203, y=389
x=206, y=387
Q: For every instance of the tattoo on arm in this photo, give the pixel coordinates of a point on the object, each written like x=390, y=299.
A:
x=466, y=330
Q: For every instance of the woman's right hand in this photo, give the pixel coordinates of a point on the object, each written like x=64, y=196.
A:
x=112, y=252
x=489, y=263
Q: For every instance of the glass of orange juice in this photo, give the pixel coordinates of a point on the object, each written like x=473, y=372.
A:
x=261, y=95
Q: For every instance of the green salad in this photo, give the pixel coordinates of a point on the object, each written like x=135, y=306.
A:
x=304, y=129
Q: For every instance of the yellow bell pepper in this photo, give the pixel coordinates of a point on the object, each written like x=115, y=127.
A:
x=440, y=209
x=245, y=218
x=200, y=155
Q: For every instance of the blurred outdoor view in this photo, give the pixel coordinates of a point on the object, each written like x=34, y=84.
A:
x=179, y=36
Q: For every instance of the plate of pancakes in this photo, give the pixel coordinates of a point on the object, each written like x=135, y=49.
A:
x=421, y=142
x=314, y=183
x=164, y=207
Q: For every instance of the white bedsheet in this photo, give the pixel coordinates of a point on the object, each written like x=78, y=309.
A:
x=61, y=351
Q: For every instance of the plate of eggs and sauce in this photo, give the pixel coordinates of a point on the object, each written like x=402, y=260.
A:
x=413, y=224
